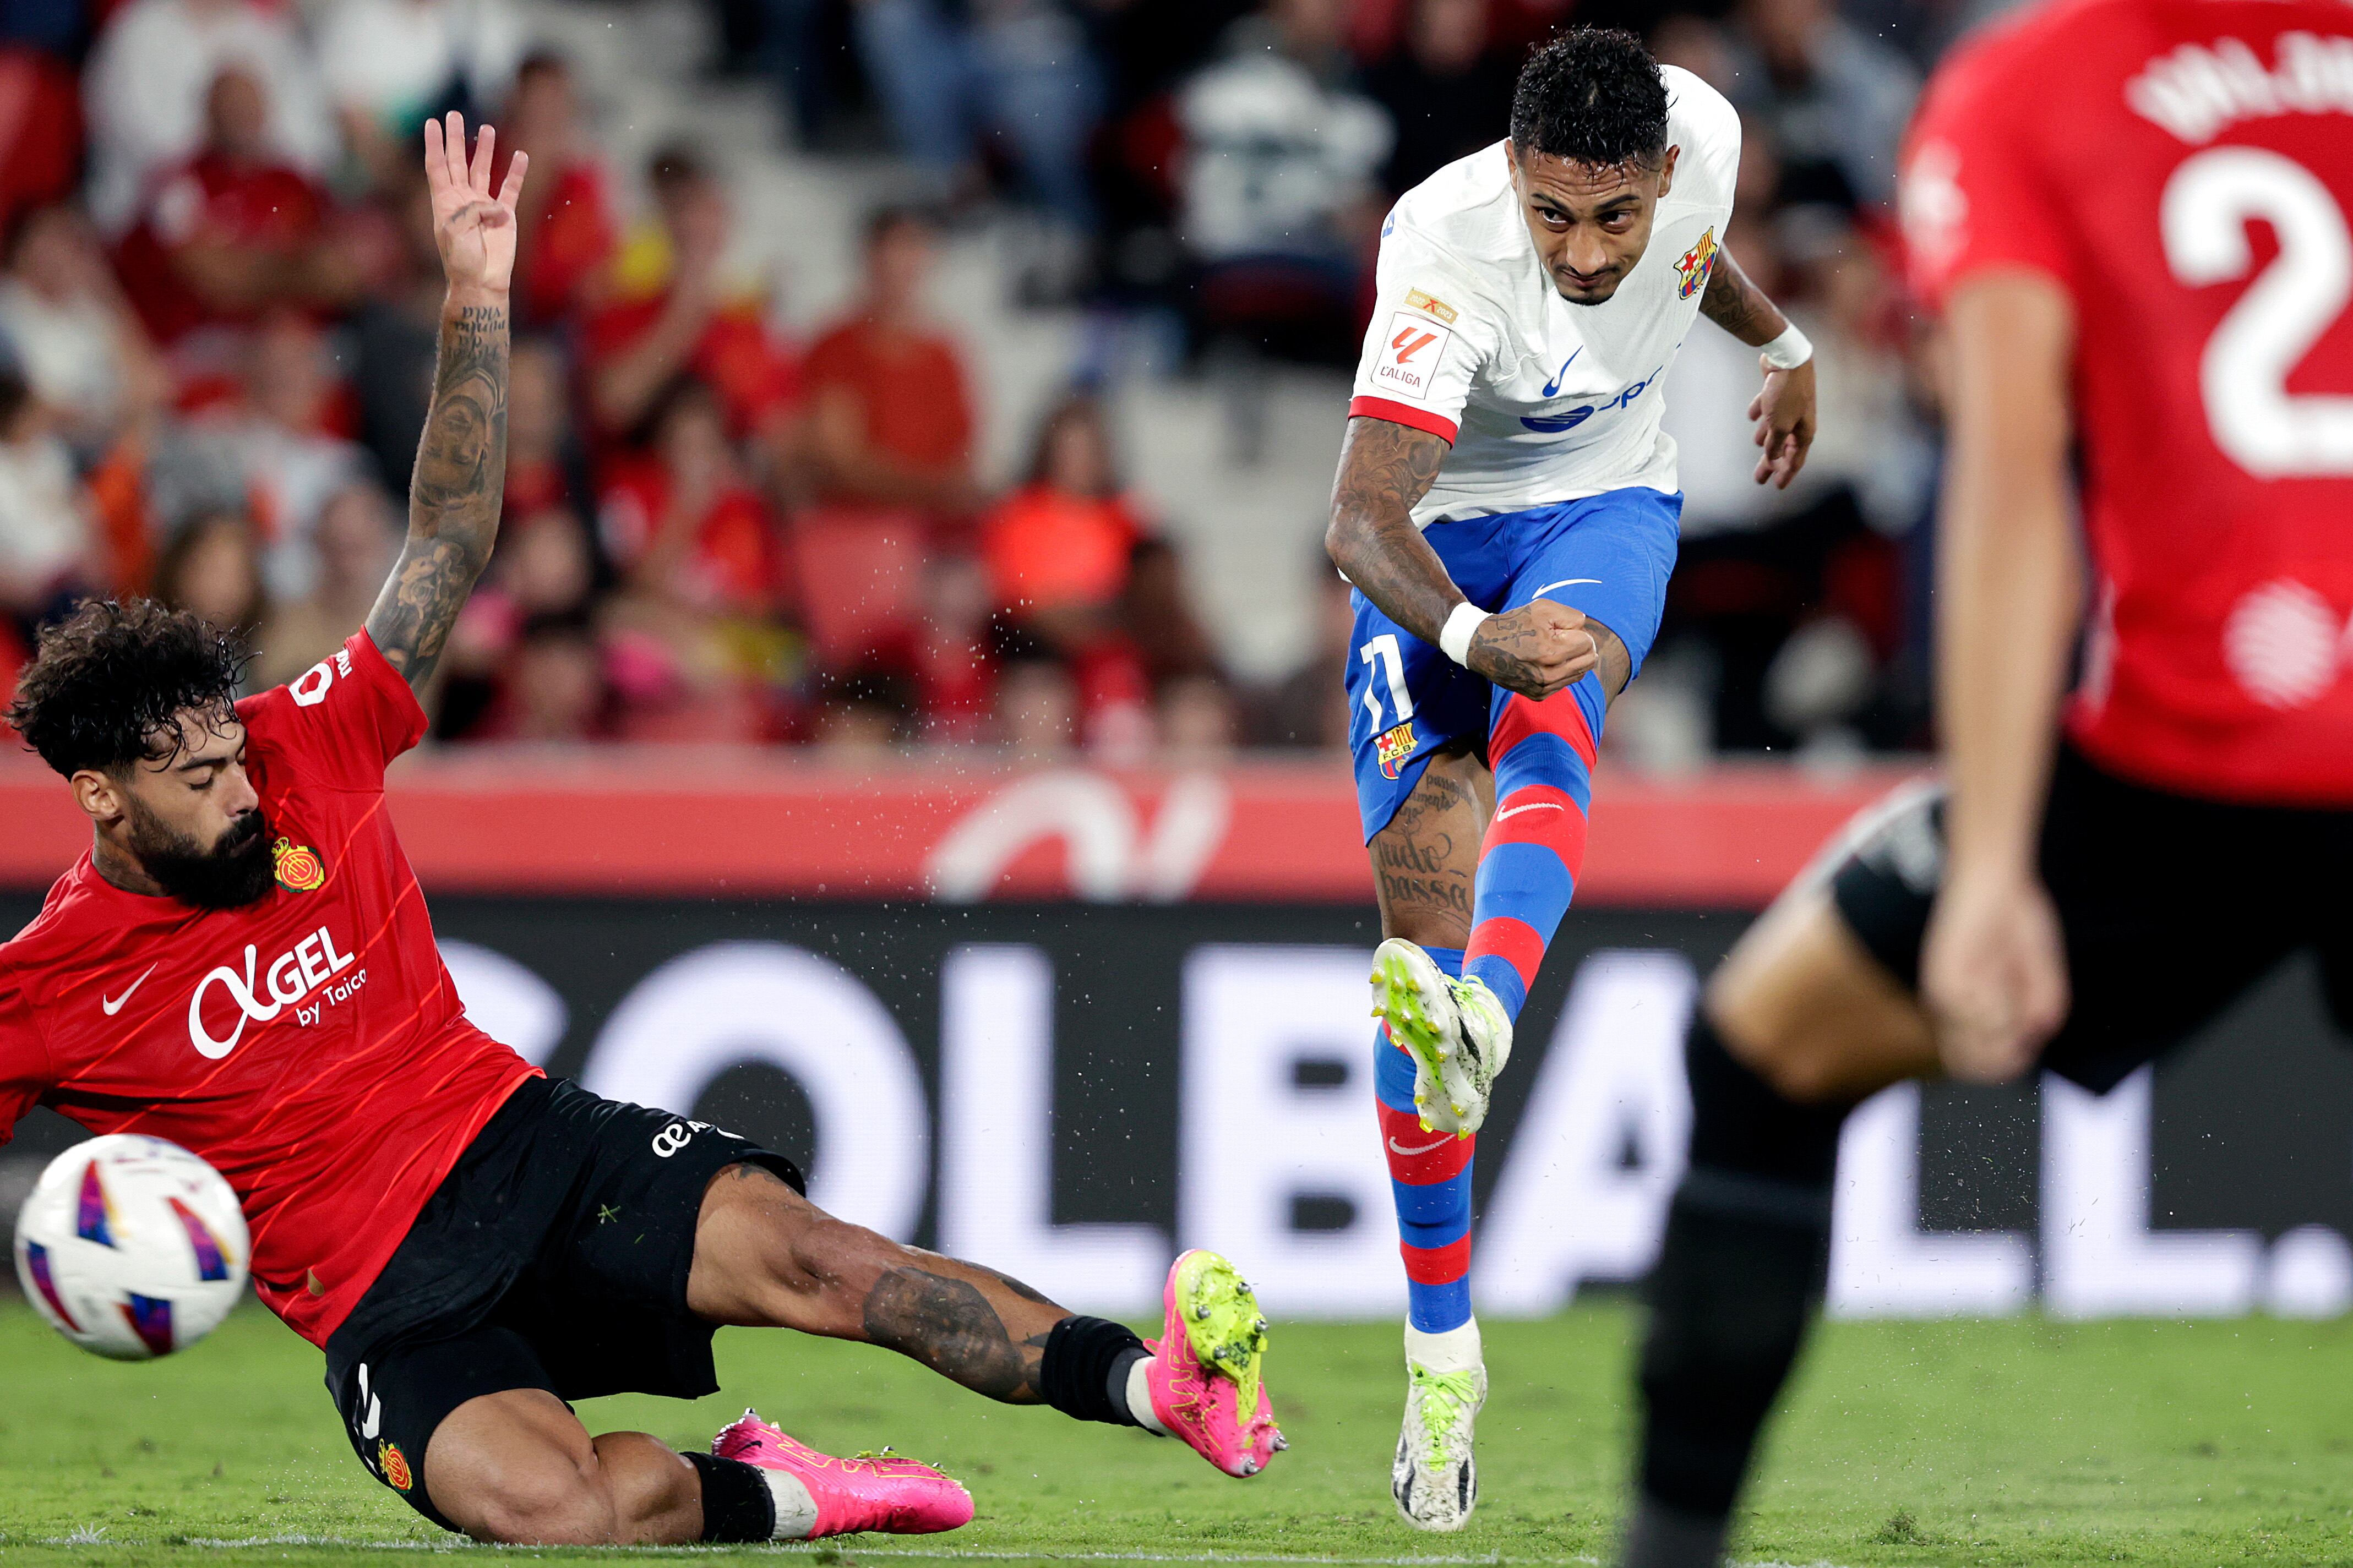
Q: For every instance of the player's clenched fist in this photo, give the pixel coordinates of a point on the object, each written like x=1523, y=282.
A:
x=1536, y=650
x=475, y=229
x=1994, y=974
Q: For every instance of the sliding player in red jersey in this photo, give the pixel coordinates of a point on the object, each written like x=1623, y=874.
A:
x=2133, y=218
x=242, y=963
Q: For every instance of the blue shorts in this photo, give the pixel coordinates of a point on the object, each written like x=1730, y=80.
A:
x=1607, y=555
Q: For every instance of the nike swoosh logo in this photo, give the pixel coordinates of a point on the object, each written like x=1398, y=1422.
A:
x=114, y=1006
x=1425, y=1149
x=1552, y=387
x=1564, y=582
x=1532, y=805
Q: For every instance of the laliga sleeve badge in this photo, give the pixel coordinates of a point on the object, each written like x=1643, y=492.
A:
x=1393, y=746
x=395, y=1466
x=1695, y=265
x=1412, y=345
x=299, y=871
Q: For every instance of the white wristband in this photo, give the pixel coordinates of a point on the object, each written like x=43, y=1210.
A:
x=1454, y=638
x=1789, y=351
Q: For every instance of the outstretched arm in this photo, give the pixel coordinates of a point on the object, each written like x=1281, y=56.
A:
x=1385, y=469
x=1784, y=407
x=461, y=459
x=1992, y=969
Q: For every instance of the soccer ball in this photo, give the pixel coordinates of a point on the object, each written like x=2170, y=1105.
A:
x=131, y=1247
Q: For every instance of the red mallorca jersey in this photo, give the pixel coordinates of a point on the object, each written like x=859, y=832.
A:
x=311, y=1046
x=2184, y=169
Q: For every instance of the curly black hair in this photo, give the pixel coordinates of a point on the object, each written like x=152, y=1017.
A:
x=106, y=684
x=1592, y=95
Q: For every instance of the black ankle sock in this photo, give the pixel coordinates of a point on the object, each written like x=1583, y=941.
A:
x=1740, y=1123
x=1083, y=1373
x=1731, y=1300
x=1739, y=1277
x=736, y=1502
x=1661, y=1537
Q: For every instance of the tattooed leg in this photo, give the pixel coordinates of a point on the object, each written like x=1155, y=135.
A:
x=765, y=1257
x=1425, y=860
x=949, y=1325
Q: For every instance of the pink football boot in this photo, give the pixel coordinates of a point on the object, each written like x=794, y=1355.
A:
x=878, y=1492
x=1205, y=1368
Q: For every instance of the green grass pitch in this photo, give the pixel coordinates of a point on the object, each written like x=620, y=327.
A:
x=2020, y=1442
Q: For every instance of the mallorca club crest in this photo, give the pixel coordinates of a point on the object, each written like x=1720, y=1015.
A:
x=299, y=871
x=1694, y=267
x=1393, y=747
x=395, y=1464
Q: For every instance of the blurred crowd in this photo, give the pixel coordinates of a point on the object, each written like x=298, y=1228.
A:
x=219, y=294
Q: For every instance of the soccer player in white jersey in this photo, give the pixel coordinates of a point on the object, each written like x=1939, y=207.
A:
x=1506, y=508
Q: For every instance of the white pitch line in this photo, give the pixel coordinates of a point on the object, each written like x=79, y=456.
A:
x=86, y=1537
x=244, y=1543
x=1490, y=1559
x=974, y=1554
x=454, y=1543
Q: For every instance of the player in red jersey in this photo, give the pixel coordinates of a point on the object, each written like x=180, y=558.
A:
x=243, y=963
x=2133, y=218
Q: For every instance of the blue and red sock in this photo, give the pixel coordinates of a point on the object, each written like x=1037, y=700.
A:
x=1543, y=756
x=1430, y=1178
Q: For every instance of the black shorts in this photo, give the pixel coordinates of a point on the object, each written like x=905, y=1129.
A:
x=2169, y=906
x=554, y=1256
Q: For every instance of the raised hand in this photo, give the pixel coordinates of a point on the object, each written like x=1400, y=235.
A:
x=474, y=229
x=1536, y=650
x=455, y=493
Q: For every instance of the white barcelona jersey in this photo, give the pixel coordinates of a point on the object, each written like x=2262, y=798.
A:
x=1543, y=400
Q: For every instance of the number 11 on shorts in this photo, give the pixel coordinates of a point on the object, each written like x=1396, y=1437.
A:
x=1384, y=649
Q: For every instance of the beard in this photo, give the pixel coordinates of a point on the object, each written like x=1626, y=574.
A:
x=236, y=871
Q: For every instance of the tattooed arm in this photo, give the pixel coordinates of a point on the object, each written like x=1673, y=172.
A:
x=1387, y=467
x=1385, y=470
x=461, y=459
x=1784, y=408
x=1738, y=306
x=453, y=495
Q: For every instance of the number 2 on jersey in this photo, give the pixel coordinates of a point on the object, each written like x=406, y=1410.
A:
x=2243, y=374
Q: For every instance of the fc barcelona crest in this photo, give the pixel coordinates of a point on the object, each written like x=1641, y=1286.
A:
x=1393, y=746
x=1694, y=266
